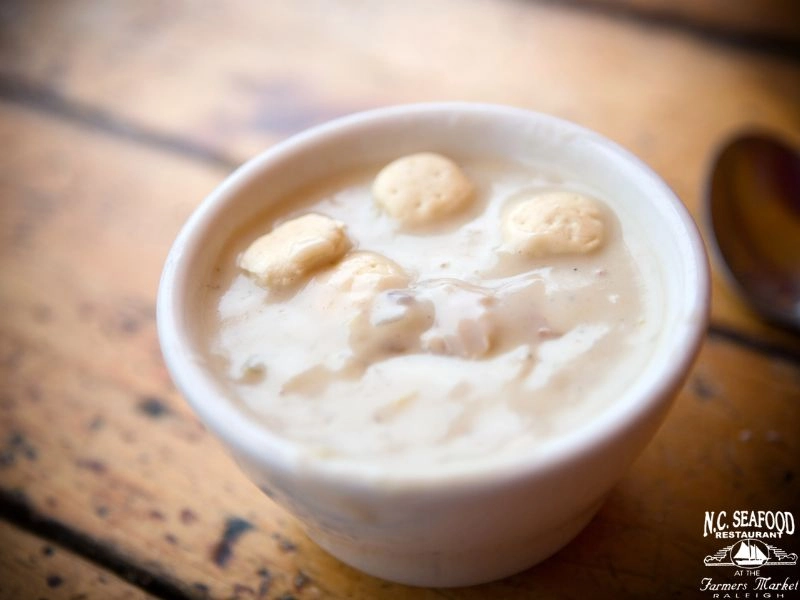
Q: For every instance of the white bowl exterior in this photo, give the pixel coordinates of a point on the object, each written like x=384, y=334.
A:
x=465, y=526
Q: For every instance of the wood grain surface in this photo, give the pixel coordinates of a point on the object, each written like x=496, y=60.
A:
x=116, y=119
x=778, y=20
x=38, y=569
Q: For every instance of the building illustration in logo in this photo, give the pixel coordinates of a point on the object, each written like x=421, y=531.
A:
x=750, y=554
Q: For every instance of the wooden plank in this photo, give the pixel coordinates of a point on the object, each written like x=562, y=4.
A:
x=770, y=19
x=275, y=68
x=95, y=439
x=34, y=568
x=88, y=417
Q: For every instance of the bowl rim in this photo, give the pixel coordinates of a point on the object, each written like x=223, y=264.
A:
x=257, y=444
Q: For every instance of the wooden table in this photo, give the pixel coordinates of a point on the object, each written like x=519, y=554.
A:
x=116, y=119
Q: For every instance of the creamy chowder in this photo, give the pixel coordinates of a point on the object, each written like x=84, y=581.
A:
x=426, y=312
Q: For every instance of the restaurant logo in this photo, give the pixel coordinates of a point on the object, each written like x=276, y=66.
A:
x=750, y=554
x=752, y=551
x=748, y=524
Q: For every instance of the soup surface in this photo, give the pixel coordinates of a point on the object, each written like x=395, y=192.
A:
x=443, y=337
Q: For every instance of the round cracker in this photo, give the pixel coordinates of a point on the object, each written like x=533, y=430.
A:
x=421, y=189
x=554, y=223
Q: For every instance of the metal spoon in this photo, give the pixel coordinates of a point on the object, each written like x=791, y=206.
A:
x=754, y=211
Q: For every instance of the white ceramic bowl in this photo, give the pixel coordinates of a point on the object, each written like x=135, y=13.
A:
x=468, y=525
